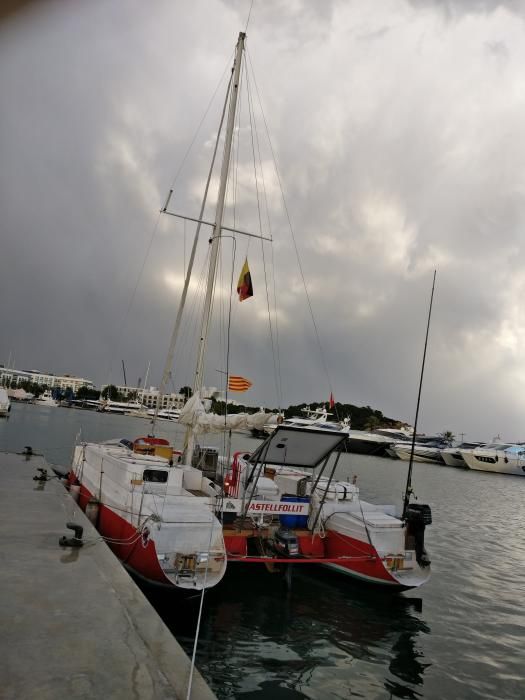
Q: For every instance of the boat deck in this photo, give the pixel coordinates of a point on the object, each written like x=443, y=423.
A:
x=74, y=624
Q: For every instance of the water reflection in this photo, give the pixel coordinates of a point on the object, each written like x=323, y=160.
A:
x=325, y=633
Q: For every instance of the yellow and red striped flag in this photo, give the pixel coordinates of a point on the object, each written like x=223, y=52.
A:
x=236, y=383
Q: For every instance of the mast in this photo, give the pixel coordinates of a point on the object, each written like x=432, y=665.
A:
x=408, y=489
x=197, y=386
x=145, y=382
x=219, y=212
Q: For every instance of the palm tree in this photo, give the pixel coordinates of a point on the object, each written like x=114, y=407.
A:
x=447, y=436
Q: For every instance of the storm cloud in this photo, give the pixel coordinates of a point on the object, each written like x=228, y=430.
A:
x=399, y=136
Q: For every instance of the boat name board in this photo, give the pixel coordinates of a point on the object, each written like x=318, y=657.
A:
x=234, y=505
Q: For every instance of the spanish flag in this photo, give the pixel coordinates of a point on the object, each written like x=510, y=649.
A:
x=244, y=285
x=236, y=383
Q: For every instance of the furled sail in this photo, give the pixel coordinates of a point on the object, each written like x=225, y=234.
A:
x=193, y=414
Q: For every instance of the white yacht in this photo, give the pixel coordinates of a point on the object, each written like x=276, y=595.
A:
x=452, y=455
x=165, y=413
x=46, y=399
x=5, y=403
x=317, y=417
x=121, y=407
x=503, y=458
x=426, y=449
x=365, y=442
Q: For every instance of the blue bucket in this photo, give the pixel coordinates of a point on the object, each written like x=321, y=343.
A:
x=292, y=521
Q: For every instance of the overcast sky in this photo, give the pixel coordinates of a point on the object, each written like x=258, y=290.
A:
x=398, y=129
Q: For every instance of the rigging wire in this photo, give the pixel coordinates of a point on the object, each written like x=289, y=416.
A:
x=286, y=210
x=256, y=142
x=174, y=335
x=249, y=16
x=188, y=150
x=124, y=320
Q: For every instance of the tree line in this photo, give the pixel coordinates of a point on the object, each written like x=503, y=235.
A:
x=360, y=417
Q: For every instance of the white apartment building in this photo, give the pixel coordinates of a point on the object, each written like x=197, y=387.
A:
x=53, y=381
x=150, y=397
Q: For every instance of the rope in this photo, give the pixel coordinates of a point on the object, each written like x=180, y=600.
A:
x=199, y=618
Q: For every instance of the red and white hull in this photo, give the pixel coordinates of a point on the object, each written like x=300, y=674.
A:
x=159, y=529
x=343, y=532
x=160, y=521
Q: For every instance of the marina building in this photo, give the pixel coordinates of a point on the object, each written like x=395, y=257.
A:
x=150, y=397
x=52, y=381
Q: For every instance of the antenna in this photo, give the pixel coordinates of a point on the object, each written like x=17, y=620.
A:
x=408, y=490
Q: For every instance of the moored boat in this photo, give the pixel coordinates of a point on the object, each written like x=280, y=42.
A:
x=427, y=451
x=452, y=456
x=121, y=407
x=5, y=403
x=164, y=414
x=330, y=525
x=171, y=523
x=367, y=443
x=46, y=399
x=502, y=458
x=311, y=417
x=158, y=518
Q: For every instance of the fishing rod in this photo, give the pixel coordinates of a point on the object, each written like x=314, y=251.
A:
x=408, y=490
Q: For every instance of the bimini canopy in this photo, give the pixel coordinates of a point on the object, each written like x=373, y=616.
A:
x=298, y=447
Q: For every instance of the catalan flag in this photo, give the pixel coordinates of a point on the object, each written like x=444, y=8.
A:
x=236, y=383
x=244, y=285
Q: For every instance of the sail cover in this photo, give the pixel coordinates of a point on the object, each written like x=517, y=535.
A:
x=298, y=447
x=194, y=414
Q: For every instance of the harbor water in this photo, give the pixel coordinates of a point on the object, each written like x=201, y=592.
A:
x=459, y=636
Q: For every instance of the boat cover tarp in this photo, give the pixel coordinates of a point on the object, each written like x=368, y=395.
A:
x=298, y=447
x=194, y=414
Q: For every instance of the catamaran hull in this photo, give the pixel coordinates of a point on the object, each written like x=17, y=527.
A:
x=156, y=526
x=340, y=553
x=139, y=554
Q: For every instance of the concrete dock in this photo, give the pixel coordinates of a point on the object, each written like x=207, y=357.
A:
x=73, y=623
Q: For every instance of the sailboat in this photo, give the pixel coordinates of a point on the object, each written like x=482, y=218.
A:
x=179, y=518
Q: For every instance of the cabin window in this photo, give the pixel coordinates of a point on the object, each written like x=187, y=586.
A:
x=157, y=476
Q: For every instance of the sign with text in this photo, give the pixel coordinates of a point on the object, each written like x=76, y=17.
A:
x=234, y=505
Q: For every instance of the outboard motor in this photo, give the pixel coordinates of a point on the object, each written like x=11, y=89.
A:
x=285, y=543
x=418, y=516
